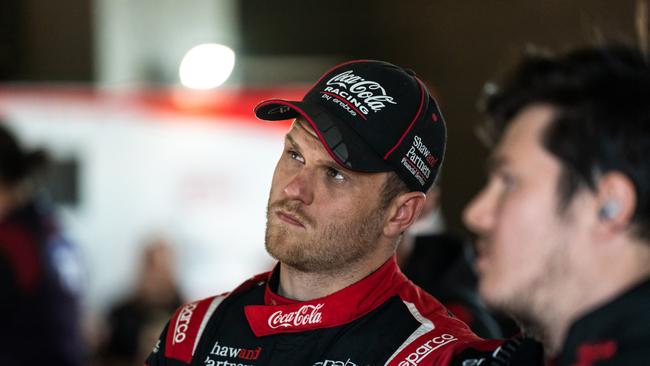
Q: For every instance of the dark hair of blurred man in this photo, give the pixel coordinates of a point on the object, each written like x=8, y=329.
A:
x=564, y=219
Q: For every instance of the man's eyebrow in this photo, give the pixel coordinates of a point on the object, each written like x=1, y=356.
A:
x=292, y=141
x=328, y=162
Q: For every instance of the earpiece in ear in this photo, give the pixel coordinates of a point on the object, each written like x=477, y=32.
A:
x=609, y=210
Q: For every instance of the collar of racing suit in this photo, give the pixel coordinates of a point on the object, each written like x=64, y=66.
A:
x=282, y=315
x=618, y=328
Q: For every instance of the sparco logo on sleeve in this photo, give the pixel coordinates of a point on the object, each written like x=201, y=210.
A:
x=335, y=363
x=363, y=94
x=307, y=314
x=414, y=358
x=182, y=323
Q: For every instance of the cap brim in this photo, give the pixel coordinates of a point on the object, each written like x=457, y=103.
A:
x=345, y=146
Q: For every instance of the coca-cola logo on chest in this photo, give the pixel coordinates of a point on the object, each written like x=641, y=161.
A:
x=306, y=315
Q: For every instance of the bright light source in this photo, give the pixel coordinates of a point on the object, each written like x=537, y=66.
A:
x=206, y=66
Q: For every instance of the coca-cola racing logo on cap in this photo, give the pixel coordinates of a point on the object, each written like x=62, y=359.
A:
x=306, y=315
x=359, y=95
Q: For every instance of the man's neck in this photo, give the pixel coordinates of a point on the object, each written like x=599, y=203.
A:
x=304, y=286
x=579, y=303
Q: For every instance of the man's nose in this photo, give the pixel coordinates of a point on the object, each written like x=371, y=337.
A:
x=478, y=215
x=300, y=187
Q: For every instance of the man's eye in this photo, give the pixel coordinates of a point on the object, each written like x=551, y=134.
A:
x=335, y=174
x=295, y=156
x=508, y=181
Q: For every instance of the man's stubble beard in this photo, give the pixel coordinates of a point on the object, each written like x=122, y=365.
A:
x=329, y=248
x=536, y=303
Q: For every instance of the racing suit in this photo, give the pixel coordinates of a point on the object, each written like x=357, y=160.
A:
x=617, y=333
x=383, y=319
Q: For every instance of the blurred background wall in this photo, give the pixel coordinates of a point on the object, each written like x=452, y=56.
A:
x=96, y=82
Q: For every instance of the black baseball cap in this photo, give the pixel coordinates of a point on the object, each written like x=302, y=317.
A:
x=372, y=116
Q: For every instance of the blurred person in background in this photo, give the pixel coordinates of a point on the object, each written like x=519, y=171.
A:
x=563, y=222
x=40, y=274
x=441, y=264
x=365, y=146
x=134, y=324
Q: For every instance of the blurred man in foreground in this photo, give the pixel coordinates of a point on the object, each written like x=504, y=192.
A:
x=564, y=220
x=366, y=144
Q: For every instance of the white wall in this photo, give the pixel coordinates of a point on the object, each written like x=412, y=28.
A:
x=202, y=181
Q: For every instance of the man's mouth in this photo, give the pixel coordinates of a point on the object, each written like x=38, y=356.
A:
x=480, y=262
x=289, y=218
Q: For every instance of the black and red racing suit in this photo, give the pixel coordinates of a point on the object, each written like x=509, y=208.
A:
x=383, y=319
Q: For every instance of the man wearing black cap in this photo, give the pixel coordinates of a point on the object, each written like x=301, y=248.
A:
x=366, y=143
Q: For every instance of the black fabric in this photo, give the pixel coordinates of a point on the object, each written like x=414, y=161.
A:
x=617, y=333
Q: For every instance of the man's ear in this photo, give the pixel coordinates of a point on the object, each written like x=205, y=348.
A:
x=403, y=211
x=432, y=201
x=616, y=201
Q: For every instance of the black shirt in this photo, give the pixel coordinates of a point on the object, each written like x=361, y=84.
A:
x=617, y=333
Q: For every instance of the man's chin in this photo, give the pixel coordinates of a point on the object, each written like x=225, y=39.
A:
x=511, y=304
x=491, y=296
x=296, y=259
x=293, y=261
x=280, y=250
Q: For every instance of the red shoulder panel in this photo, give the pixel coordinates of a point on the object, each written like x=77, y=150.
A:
x=184, y=329
x=189, y=321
